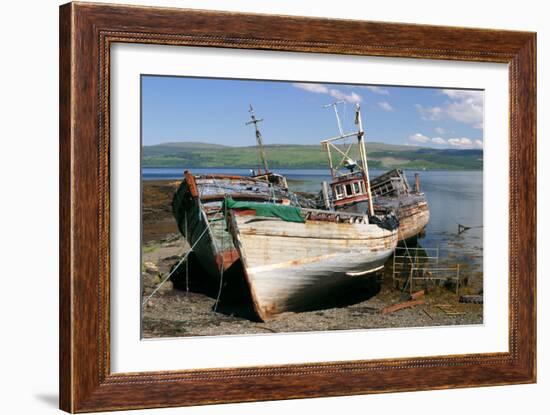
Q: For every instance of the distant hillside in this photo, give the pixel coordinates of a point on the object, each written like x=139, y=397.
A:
x=196, y=154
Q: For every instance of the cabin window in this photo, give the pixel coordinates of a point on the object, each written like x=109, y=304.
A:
x=349, y=191
x=357, y=188
x=339, y=192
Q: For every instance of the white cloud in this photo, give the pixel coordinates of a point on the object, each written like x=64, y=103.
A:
x=315, y=88
x=463, y=106
x=419, y=138
x=462, y=142
x=353, y=97
x=459, y=142
x=439, y=130
x=466, y=106
x=430, y=113
x=335, y=93
x=377, y=90
x=438, y=140
x=462, y=94
x=386, y=106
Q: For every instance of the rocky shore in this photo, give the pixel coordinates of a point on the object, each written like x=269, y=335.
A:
x=184, y=306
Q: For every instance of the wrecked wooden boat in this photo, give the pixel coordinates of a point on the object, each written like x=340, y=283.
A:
x=197, y=208
x=392, y=193
x=198, y=201
x=294, y=257
x=351, y=189
x=265, y=174
x=291, y=256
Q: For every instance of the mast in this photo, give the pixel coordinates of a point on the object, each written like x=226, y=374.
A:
x=344, y=154
x=361, y=139
x=259, y=139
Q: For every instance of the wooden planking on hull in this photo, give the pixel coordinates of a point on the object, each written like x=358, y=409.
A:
x=413, y=222
x=412, y=211
x=288, y=265
x=392, y=192
x=197, y=209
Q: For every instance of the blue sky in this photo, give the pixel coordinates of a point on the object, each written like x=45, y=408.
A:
x=216, y=110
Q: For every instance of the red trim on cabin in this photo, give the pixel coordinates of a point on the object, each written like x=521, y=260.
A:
x=347, y=180
x=367, y=187
x=347, y=200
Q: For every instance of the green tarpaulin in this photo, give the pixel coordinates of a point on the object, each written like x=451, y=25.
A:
x=270, y=210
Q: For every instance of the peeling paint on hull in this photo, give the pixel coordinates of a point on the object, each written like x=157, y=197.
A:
x=413, y=221
x=290, y=265
x=412, y=211
x=197, y=209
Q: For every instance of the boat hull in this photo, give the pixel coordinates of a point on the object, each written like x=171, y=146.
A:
x=392, y=193
x=197, y=208
x=290, y=266
x=412, y=211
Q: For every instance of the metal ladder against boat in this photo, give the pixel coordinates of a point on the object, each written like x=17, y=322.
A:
x=410, y=267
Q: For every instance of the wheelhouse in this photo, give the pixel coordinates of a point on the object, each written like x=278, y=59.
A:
x=349, y=189
x=347, y=159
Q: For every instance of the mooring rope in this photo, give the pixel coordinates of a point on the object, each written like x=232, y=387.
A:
x=222, y=265
x=186, y=262
x=208, y=228
x=175, y=268
x=222, y=238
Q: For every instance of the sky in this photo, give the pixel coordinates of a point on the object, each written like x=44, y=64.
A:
x=176, y=109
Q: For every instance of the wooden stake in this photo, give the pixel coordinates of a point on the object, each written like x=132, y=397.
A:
x=400, y=306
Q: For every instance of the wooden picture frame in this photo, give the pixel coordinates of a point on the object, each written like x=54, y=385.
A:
x=86, y=33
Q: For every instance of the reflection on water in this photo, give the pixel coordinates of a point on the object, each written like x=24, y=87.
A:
x=455, y=197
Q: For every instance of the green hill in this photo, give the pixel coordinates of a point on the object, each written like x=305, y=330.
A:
x=204, y=155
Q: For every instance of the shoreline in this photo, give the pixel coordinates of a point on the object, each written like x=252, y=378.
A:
x=322, y=168
x=173, y=312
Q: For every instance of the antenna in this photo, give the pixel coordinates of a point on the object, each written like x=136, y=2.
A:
x=259, y=139
x=335, y=106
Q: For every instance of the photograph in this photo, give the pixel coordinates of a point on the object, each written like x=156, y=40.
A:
x=272, y=206
x=259, y=204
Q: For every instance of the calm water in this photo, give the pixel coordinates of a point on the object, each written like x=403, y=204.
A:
x=454, y=197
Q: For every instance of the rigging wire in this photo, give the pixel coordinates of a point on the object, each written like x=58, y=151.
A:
x=175, y=268
x=186, y=262
x=222, y=236
x=184, y=258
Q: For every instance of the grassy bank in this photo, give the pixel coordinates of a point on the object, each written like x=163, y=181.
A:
x=306, y=156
